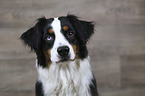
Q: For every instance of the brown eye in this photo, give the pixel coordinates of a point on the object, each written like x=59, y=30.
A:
x=70, y=34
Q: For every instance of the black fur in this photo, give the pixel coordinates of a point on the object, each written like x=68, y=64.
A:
x=84, y=31
x=39, y=89
x=34, y=38
x=93, y=87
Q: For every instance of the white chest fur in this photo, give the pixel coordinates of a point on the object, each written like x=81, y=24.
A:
x=70, y=79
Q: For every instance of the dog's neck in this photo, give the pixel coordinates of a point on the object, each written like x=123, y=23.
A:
x=72, y=79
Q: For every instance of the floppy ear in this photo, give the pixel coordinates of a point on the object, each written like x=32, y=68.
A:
x=84, y=28
x=32, y=37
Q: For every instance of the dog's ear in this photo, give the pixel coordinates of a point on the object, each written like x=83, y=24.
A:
x=84, y=28
x=33, y=36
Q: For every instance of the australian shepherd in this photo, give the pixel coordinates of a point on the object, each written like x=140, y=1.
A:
x=62, y=61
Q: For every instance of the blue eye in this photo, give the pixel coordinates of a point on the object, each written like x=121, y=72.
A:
x=49, y=38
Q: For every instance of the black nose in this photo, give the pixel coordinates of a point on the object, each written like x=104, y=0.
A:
x=63, y=51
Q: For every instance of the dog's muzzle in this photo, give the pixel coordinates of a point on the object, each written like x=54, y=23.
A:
x=63, y=53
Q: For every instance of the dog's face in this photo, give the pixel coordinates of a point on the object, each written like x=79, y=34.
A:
x=58, y=40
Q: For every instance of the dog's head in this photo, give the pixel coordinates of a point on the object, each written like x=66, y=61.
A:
x=57, y=40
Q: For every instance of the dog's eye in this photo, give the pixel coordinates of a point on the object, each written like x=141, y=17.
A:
x=70, y=34
x=49, y=38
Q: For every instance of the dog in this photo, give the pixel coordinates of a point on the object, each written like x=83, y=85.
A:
x=62, y=62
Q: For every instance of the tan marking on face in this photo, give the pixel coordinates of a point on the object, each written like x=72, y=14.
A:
x=51, y=30
x=65, y=28
x=75, y=48
x=47, y=56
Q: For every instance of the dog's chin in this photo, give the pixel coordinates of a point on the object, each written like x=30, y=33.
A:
x=65, y=60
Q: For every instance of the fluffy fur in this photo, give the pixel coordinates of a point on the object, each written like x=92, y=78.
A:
x=62, y=62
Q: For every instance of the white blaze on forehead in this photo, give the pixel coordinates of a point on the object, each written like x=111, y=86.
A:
x=59, y=41
x=59, y=37
x=56, y=25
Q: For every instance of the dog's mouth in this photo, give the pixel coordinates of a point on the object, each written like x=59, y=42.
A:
x=63, y=60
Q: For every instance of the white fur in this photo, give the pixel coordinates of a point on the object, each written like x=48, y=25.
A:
x=60, y=40
x=70, y=79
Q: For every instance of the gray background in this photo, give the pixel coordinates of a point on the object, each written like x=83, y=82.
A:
x=117, y=48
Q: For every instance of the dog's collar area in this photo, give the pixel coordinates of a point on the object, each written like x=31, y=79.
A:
x=67, y=80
